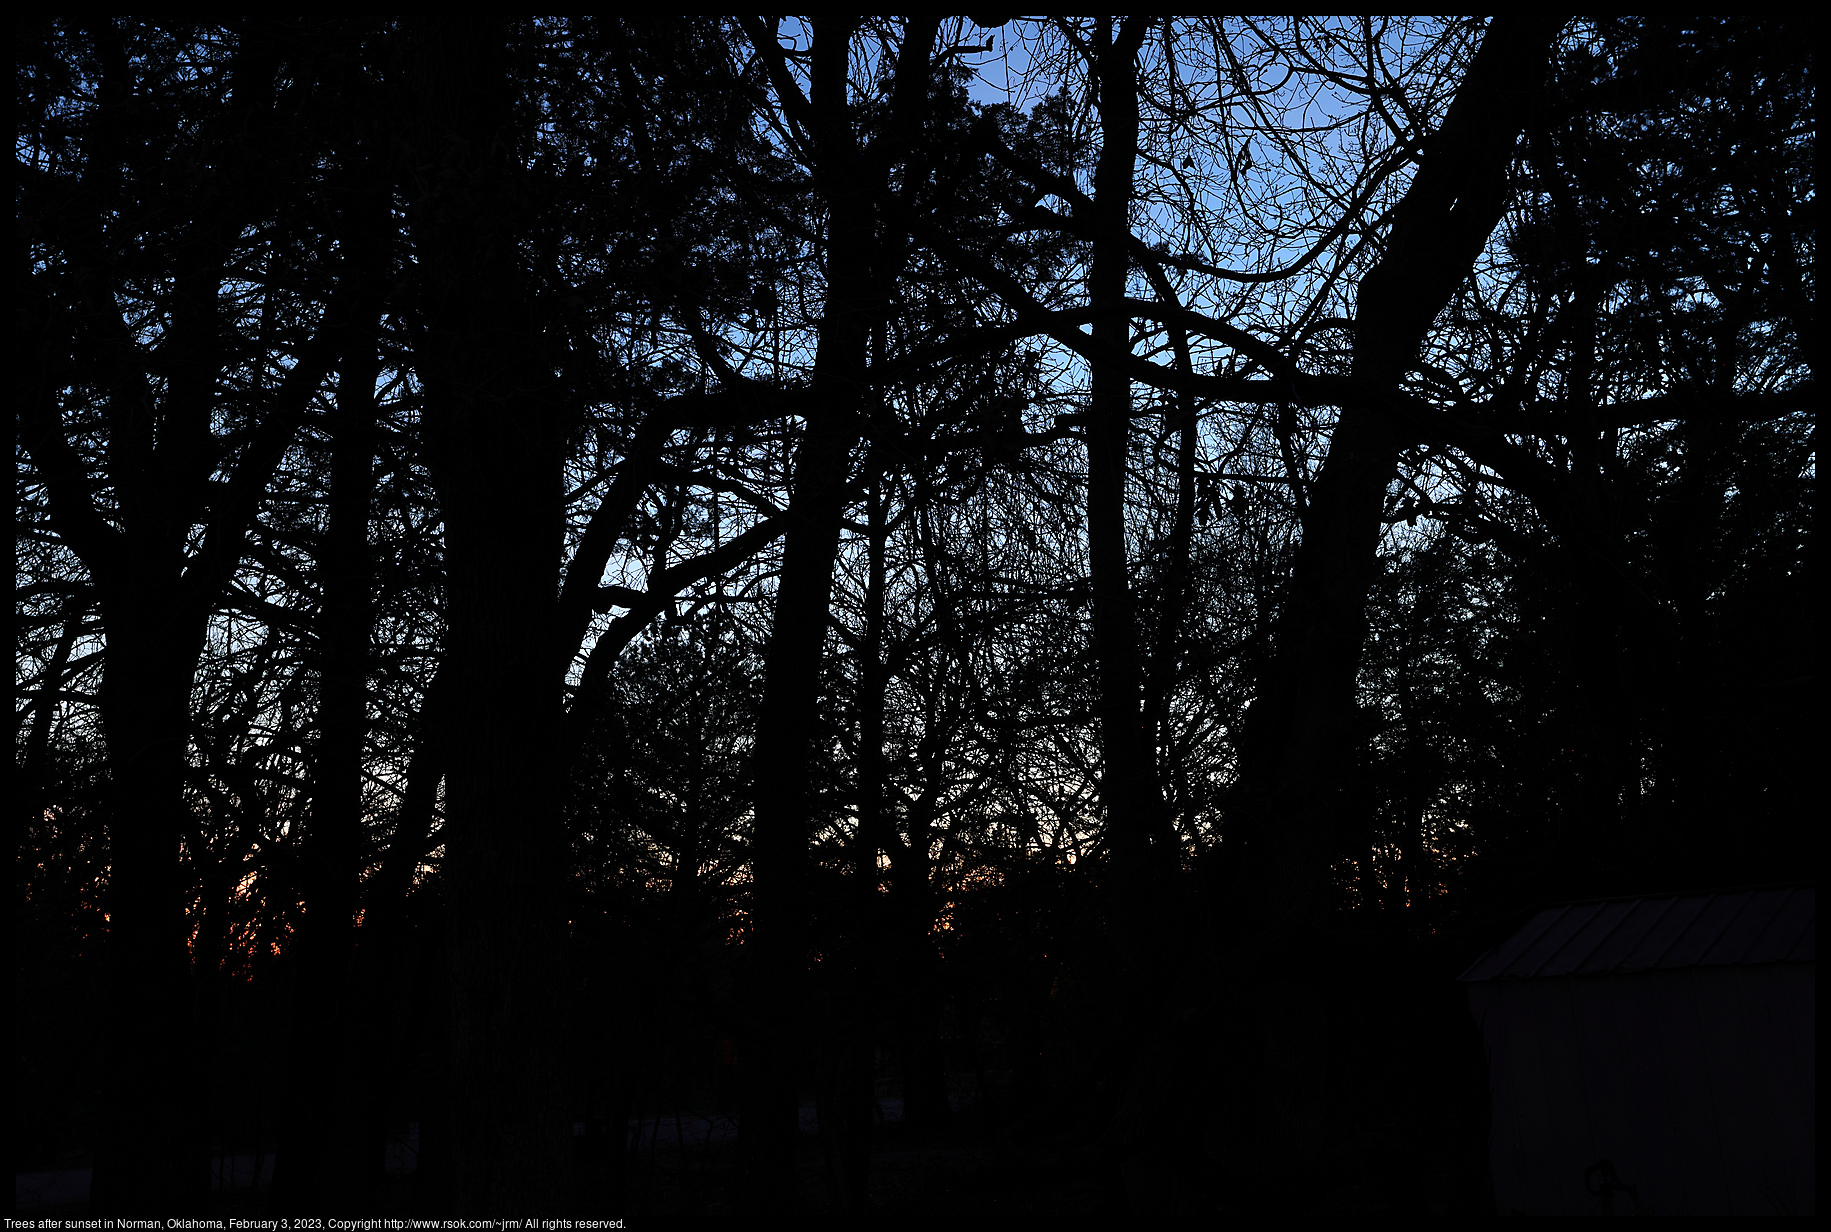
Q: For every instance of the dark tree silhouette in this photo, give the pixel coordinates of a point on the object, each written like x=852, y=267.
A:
x=691, y=572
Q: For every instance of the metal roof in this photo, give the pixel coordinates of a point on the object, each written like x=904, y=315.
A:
x=1654, y=933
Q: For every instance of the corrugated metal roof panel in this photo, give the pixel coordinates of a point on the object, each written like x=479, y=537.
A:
x=1714, y=922
x=1561, y=932
x=1657, y=932
x=1620, y=923
x=1662, y=933
x=1741, y=935
x=1788, y=930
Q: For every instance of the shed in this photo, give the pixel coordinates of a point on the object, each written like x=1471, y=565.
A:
x=1653, y=1055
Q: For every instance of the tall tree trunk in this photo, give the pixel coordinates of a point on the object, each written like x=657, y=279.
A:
x=855, y=298
x=151, y=1150
x=1301, y=724
x=321, y=1130
x=1136, y=829
x=775, y=966
x=857, y=1071
x=155, y=592
x=494, y=442
x=1138, y=835
x=155, y=602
